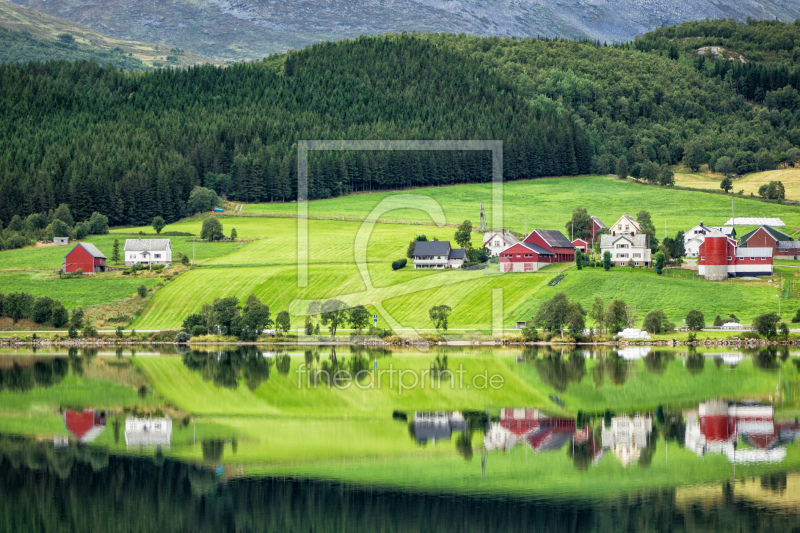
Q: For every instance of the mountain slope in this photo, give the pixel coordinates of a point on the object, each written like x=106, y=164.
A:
x=28, y=35
x=250, y=29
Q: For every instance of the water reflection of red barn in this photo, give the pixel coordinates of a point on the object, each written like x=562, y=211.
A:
x=86, y=425
x=540, y=431
x=721, y=421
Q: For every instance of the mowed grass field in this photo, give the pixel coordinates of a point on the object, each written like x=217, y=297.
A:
x=401, y=299
x=32, y=269
x=790, y=177
x=267, y=264
x=548, y=203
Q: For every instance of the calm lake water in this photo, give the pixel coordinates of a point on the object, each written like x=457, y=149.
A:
x=623, y=440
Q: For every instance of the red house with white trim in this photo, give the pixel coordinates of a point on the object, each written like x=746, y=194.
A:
x=583, y=245
x=524, y=257
x=86, y=258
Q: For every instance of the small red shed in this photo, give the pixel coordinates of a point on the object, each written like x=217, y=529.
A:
x=85, y=257
x=583, y=245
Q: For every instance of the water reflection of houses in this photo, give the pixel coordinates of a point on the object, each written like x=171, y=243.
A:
x=536, y=429
x=437, y=425
x=719, y=426
x=148, y=431
x=627, y=436
x=86, y=425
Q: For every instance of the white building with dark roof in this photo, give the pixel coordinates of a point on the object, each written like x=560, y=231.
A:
x=148, y=252
x=438, y=254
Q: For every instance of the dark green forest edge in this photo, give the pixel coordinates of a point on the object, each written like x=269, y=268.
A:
x=133, y=145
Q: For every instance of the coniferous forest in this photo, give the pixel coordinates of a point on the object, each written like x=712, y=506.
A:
x=133, y=145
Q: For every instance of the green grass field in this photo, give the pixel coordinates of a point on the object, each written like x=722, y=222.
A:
x=266, y=266
x=548, y=203
x=32, y=270
x=790, y=177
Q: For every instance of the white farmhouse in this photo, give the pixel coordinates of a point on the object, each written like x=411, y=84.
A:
x=498, y=241
x=693, y=238
x=626, y=244
x=148, y=252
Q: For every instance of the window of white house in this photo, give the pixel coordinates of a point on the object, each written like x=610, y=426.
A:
x=157, y=256
x=636, y=263
x=497, y=243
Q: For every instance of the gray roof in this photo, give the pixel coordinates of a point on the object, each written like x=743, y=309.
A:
x=423, y=248
x=753, y=252
x=788, y=245
x=458, y=253
x=147, y=245
x=554, y=238
x=639, y=240
x=599, y=222
x=92, y=249
x=536, y=248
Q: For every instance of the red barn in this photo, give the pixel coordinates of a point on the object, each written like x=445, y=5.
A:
x=554, y=242
x=719, y=258
x=86, y=258
x=524, y=257
x=583, y=245
x=765, y=237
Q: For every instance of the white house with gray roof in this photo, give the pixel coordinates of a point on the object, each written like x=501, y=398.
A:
x=626, y=249
x=148, y=252
x=438, y=254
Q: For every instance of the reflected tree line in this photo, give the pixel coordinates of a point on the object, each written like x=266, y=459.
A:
x=82, y=488
x=228, y=368
x=42, y=373
x=561, y=368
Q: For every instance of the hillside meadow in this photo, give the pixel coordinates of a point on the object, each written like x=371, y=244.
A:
x=548, y=203
x=790, y=177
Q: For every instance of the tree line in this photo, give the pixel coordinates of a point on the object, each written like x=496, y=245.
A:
x=138, y=144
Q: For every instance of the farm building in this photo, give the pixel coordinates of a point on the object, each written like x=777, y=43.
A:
x=626, y=244
x=148, y=252
x=86, y=258
x=497, y=241
x=597, y=227
x=582, y=245
x=554, y=242
x=61, y=241
x=438, y=254
x=525, y=257
x=765, y=237
x=693, y=238
x=540, y=248
x=720, y=258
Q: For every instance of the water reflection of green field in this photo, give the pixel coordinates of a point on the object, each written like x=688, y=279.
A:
x=582, y=383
